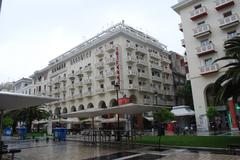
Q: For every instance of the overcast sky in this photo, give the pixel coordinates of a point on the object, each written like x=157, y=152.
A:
x=32, y=32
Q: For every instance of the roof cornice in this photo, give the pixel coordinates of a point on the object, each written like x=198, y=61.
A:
x=183, y=4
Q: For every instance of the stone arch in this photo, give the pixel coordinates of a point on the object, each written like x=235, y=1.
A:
x=57, y=111
x=113, y=102
x=90, y=105
x=65, y=110
x=133, y=99
x=73, y=109
x=80, y=107
x=102, y=104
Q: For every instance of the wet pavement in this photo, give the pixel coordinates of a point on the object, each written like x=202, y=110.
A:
x=69, y=150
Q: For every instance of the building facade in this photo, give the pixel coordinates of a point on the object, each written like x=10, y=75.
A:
x=23, y=86
x=87, y=75
x=206, y=24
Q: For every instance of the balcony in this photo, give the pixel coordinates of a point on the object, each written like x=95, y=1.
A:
x=142, y=62
x=132, y=87
x=168, y=80
x=166, y=60
x=63, y=89
x=56, y=81
x=205, y=49
x=144, y=89
x=155, y=55
x=167, y=70
x=87, y=81
x=71, y=86
x=169, y=92
x=71, y=76
x=111, y=88
x=99, y=65
x=110, y=48
x=183, y=43
x=221, y=4
x=99, y=78
x=198, y=13
x=78, y=96
x=87, y=94
x=155, y=66
x=110, y=74
x=79, y=73
x=131, y=59
x=157, y=90
x=87, y=69
x=147, y=101
x=50, y=83
x=209, y=69
x=79, y=84
x=132, y=73
x=130, y=46
x=180, y=27
x=99, y=91
x=229, y=21
x=156, y=78
x=63, y=79
x=110, y=61
x=170, y=103
x=143, y=75
x=99, y=53
x=141, y=50
x=201, y=30
x=56, y=91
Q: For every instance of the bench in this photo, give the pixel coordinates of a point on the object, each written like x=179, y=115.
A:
x=9, y=151
x=233, y=148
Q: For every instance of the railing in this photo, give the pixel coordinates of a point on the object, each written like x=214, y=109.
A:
x=142, y=62
x=111, y=60
x=132, y=87
x=156, y=78
x=131, y=59
x=141, y=50
x=156, y=66
x=132, y=73
x=99, y=77
x=99, y=65
x=110, y=74
x=99, y=90
x=229, y=21
x=87, y=81
x=155, y=55
x=87, y=93
x=109, y=48
x=196, y=13
x=201, y=30
x=87, y=69
x=110, y=88
x=209, y=48
x=220, y=4
x=99, y=52
x=130, y=46
x=209, y=69
x=143, y=75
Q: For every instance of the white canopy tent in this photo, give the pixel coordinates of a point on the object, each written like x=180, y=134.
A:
x=180, y=111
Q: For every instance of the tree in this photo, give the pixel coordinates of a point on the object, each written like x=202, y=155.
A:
x=163, y=115
x=228, y=85
x=212, y=113
x=186, y=93
x=7, y=122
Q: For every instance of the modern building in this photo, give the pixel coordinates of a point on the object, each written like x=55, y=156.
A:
x=121, y=61
x=179, y=75
x=206, y=24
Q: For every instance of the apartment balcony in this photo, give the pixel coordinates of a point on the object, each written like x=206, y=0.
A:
x=229, y=21
x=198, y=13
x=221, y=4
x=168, y=81
x=170, y=103
x=131, y=59
x=183, y=43
x=56, y=91
x=202, y=30
x=132, y=73
x=71, y=76
x=110, y=74
x=99, y=77
x=142, y=62
x=205, y=49
x=99, y=65
x=143, y=75
x=99, y=53
x=141, y=50
x=130, y=46
x=87, y=69
x=100, y=91
x=87, y=81
x=56, y=81
x=166, y=60
x=49, y=84
x=63, y=79
x=144, y=89
x=132, y=87
x=209, y=69
x=78, y=96
x=167, y=70
x=156, y=79
x=154, y=55
x=79, y=73
x=71, y=87
x=180, y=27
x=87, y=94
x=110, y=48
x=169, y=92
x=63, y=89
x=110, y=88
x=79, y=84
x=155, y=66
x=147, y=101
x=110, y=61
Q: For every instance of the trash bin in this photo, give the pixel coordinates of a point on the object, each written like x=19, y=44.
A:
x=7, y=131
x=59, y=134
x=22, y=131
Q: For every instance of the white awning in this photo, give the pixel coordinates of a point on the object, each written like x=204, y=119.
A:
x=182, y=111
x=122, y=109
x=113, y=120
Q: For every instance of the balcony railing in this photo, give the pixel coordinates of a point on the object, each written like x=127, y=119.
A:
x=110, y=74
x=87, y=69
x=79, y=84
x=100, y=91
x=111, y=88
x=167, y=60
x=99, y=65
x=71, y=86
x=131, y=59
x=198, y=13
x=205, y=49
x=87, y=93
x=132, y=73
x=155, y=55
x=141, y=50
x=147, y=101
x=63, y=79
x=180, y=27
x=155, y=66
x=110, y=48
x=142, y=62
x=71, y=75
x=99, y=52
x=169, y=92
x=156, y=78
x=221, y=4
x=183, y=43
x=167, y=70
x=87, y=81
x=99, y=77
x=229, y=21
x=143, y=75
x=209, y=69
x=110, y=61
x=132, y=87
x=144, y=89
x=202, y=30
x=130, y=46
x=79, y=72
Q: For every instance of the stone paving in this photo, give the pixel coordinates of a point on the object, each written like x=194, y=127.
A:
x=79, y=151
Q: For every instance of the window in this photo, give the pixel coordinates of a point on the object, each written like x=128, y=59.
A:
x=231, y=34
x=197, y=6
x=208, y=61
x=227, y=14
x=130, y=81
x=204, y=42
x=201, y=23
x=101, y=85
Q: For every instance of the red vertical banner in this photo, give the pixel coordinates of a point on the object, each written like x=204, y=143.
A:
x=117, y=68
x=232, y=111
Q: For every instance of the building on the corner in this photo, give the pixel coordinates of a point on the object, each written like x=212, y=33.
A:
x=206, y=24
x=23, y=86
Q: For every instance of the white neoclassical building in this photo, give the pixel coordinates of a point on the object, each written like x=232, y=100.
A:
x=86, y=75
x=206, y=24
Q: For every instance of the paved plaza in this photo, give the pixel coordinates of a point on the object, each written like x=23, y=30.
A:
x=43, y=150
